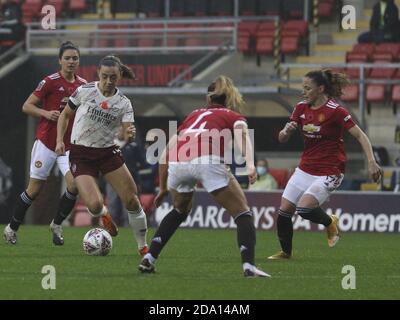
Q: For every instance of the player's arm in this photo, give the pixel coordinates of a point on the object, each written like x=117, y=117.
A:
x=243, y=141
x=32, y=106
x=373, y=168
x=163, y=171
x=129, y=131
x=62, y=125
x=287, y=131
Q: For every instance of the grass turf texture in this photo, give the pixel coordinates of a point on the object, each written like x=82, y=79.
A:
x=200, y=264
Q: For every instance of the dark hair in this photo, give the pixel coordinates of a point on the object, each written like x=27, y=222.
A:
x=112, y=61
x=67, y=45
x=334, y=82
x=223, y=91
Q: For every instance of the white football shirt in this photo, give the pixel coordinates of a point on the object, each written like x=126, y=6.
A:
x=98, y=118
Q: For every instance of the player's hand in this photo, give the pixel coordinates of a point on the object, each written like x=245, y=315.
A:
x=159, y=197
x=131, y=132
x=375, y=171
x=60, y=149
x=52, y=115
x=252, y=173
x=290, y=127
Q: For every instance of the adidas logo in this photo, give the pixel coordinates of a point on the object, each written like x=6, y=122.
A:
x=242, y=248
x=61, y=89
x=158, y=240
x=303, y=116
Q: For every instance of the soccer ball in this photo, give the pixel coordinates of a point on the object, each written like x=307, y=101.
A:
x=97, y=242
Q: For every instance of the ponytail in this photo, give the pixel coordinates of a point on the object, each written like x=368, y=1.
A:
x=224, y=92
x=334, y=82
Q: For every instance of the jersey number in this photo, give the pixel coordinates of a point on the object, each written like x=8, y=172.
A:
x=200, y=129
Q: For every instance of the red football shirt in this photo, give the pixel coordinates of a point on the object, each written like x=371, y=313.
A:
x=205, y=132
x=322, y=131
x=54, y=91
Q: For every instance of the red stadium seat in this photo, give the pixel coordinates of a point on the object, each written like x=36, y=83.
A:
x=248, y=26
x=382, y=57
x=266, y=26
x=289, y=45
x=395, y=97
x=300, y=25
x=58, y=5
x=367, y=48
x=77, y=5
x=325, y=9
x=244, y=44
x=375, y=93
x=281, y=176
x=350, y=93
x=356, y=57
x=265, y=45
x=390, y=48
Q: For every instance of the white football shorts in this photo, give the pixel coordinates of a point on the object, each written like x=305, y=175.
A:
x=318, y=186
x=183, y=176
x=43, y=160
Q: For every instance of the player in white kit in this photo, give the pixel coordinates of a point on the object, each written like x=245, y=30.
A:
x=100, y=109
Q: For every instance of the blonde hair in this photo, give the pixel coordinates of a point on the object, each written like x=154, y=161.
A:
x=334, y=82
x=223, y=91
x=111, y=61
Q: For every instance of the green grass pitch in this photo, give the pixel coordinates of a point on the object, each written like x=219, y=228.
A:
x=200, y=264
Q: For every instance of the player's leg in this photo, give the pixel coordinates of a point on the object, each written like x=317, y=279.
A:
x=309, y=205
x=182, y=205
x=93, y=199
x=297, y=184
x=233, y=199
x=122, y=182
x=67, y=200
x=181, y=182
x=42, y=161
x=284, y=227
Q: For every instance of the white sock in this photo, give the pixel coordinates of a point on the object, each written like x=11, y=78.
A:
x=101, y=213
x=247, y=266
x=138, y=222
x=150, y=258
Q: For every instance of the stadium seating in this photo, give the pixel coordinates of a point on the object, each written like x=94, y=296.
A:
x=395, y=97
x=281, y=176
x=77, y=5
x=325, y=8
x=351, y=93
x=58, y=5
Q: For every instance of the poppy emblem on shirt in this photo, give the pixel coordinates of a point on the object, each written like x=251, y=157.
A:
x=38, y=164
x=104, y=105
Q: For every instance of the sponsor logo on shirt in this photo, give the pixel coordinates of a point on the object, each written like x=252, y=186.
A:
x=311, y=128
